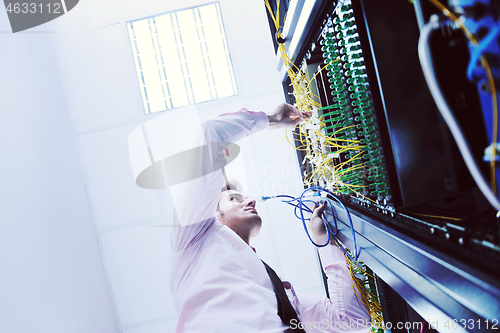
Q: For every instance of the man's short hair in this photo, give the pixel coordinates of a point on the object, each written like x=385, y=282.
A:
x=231, y=185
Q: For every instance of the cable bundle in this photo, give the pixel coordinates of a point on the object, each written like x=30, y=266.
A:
x=362, y=278
x=304, y=97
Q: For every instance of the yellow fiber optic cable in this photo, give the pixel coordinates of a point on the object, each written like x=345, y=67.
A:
x=351, y=185
x=350, y=169
x=351, y=159
x=354, y=167
x=343, y=129
x=299, y=140
x=344, y=149
x=439, y=217
x=366, y=297
x=331, y=62
x=304, y=96
x=314, y=76
x=362, y=195
x=345, y=140
x=306, y=100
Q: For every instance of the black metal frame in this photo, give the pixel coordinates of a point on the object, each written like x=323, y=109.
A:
x=437, y=285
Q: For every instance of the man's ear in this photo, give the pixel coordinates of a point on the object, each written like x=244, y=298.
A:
x=219, y=213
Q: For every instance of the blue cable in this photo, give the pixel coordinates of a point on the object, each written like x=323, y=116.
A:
x=479, y=49
x=299, y=204
x=320, y=189
x=301, y=207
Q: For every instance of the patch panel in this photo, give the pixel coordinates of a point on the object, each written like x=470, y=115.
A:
x=379, y=140
x=359, y=144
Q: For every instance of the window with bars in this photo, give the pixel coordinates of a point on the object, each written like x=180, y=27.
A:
x=182, y=58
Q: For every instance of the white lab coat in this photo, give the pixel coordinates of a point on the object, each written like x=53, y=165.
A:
x=218, y=282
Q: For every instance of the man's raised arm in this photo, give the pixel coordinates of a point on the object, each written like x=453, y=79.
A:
x=195, y=200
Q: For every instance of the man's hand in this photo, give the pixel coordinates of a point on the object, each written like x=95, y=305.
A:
x=286, y=116
x=316, y=226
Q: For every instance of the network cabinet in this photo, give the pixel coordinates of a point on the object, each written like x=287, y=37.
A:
x=377, y=76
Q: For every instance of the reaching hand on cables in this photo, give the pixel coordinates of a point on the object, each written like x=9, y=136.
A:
x=317, y=226
x=326, y=217
x=287, y=116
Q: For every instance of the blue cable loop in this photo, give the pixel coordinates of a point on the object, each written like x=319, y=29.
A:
x=300, y=205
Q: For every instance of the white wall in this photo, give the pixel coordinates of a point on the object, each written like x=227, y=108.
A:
x=51, y=274
x=101, y=95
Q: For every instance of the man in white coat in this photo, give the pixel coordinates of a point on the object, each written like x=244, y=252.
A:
x=218, y=282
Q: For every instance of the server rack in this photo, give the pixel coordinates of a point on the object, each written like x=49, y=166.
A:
x=444, y=271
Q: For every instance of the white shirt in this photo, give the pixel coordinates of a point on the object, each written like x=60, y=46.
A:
x=218, y=282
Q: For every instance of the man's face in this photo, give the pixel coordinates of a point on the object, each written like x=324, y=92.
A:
x=238, y=213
